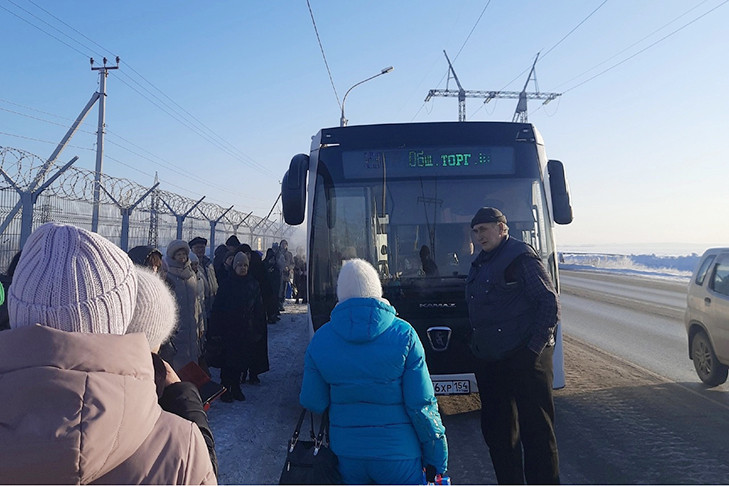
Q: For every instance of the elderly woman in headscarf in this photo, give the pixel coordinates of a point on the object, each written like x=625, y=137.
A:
x=258, y=362
x=186, y=339
x=237, y=308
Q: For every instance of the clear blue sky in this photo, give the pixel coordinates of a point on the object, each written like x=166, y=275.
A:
x=642, y=134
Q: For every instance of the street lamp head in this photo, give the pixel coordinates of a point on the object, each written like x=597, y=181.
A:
x=342, y=119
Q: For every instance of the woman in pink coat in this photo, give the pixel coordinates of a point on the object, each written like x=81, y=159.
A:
x=78, y=402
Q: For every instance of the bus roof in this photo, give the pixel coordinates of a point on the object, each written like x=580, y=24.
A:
x=435, y=133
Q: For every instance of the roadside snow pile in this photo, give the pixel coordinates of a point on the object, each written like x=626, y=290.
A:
x=251, y=436
x=680, y=267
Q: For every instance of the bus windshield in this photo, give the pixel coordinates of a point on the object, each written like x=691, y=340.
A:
x=415, y=231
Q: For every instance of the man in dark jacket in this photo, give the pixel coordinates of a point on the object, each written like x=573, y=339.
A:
x=514, y=310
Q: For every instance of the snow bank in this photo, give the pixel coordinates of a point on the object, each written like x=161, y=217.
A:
x=650, y=265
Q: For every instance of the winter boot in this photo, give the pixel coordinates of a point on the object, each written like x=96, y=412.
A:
x=237, y=394
x=227, y=396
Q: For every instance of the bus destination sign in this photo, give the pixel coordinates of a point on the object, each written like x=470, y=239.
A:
x=437, y=161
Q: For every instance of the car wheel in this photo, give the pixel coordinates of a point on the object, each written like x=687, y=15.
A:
x=707, y=366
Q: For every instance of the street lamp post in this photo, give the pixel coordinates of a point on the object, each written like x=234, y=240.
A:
x=343, y=120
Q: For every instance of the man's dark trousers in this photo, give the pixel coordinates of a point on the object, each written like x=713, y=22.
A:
x=517, y=411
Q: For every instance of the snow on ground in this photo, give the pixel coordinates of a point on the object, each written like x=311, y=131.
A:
x=251, y=436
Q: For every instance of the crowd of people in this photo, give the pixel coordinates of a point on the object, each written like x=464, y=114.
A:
x=226, y=301
x=90, y=390
x=96, y=340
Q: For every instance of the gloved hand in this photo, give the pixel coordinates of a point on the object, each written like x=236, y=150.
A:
x=524, y=359
x=430, y=473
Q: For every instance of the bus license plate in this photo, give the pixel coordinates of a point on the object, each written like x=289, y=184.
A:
x=452, y=387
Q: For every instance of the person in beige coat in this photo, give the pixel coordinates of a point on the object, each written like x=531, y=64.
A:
x=190, y=318
x=78, y=402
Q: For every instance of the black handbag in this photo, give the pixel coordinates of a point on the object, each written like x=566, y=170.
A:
x=311, y=461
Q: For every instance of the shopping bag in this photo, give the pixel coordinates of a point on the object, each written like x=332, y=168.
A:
x=311, y=461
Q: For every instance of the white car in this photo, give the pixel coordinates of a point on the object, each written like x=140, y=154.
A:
x=707, y=317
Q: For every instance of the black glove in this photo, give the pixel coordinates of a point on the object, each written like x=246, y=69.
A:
x=430, y=473
x=524, y=359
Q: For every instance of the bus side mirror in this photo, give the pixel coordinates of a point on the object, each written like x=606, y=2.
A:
x=293, y=190
x=561, y=205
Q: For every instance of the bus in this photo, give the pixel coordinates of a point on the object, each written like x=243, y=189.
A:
x=402, y=197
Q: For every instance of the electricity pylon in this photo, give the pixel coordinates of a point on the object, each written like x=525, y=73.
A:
x=520, y=115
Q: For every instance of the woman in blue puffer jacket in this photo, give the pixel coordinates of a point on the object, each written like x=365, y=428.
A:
x=368, y=367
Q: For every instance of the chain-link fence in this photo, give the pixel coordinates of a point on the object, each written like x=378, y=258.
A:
x=129, y=214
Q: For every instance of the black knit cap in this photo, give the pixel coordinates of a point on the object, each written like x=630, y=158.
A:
x=232, y=241
x=488, y=215
x=198, y=240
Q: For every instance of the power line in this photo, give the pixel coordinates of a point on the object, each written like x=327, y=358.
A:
x=468, y=37
x=200, y=123
x=35, y=109
x=574, y=29
x=242, y=158
x=634, y=43
x=40, y=119
x=321, y=47
x=209, y=130
x=518, y=76
x=170, y=111
x=91, y=149
x=32, y=139
x=472, y=29
x=70, y=27
x=45, y=32
x=160, y=161
x=647, y=47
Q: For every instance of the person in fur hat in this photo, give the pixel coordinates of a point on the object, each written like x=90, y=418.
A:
x=186, y=339
x=69, y=373
x=367, y=367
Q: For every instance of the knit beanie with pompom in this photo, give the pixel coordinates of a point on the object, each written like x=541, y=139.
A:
x=358, y=278
x=156, y=311
x=74, y=280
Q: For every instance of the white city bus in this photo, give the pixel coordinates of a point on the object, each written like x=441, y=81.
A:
x=395, y=193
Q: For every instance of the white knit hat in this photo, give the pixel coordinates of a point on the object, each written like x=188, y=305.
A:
x=156, y=311
x=358, y=278
x=72, y=279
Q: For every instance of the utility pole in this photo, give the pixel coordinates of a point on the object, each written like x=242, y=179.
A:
x=103, y=72
x=520, y=114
